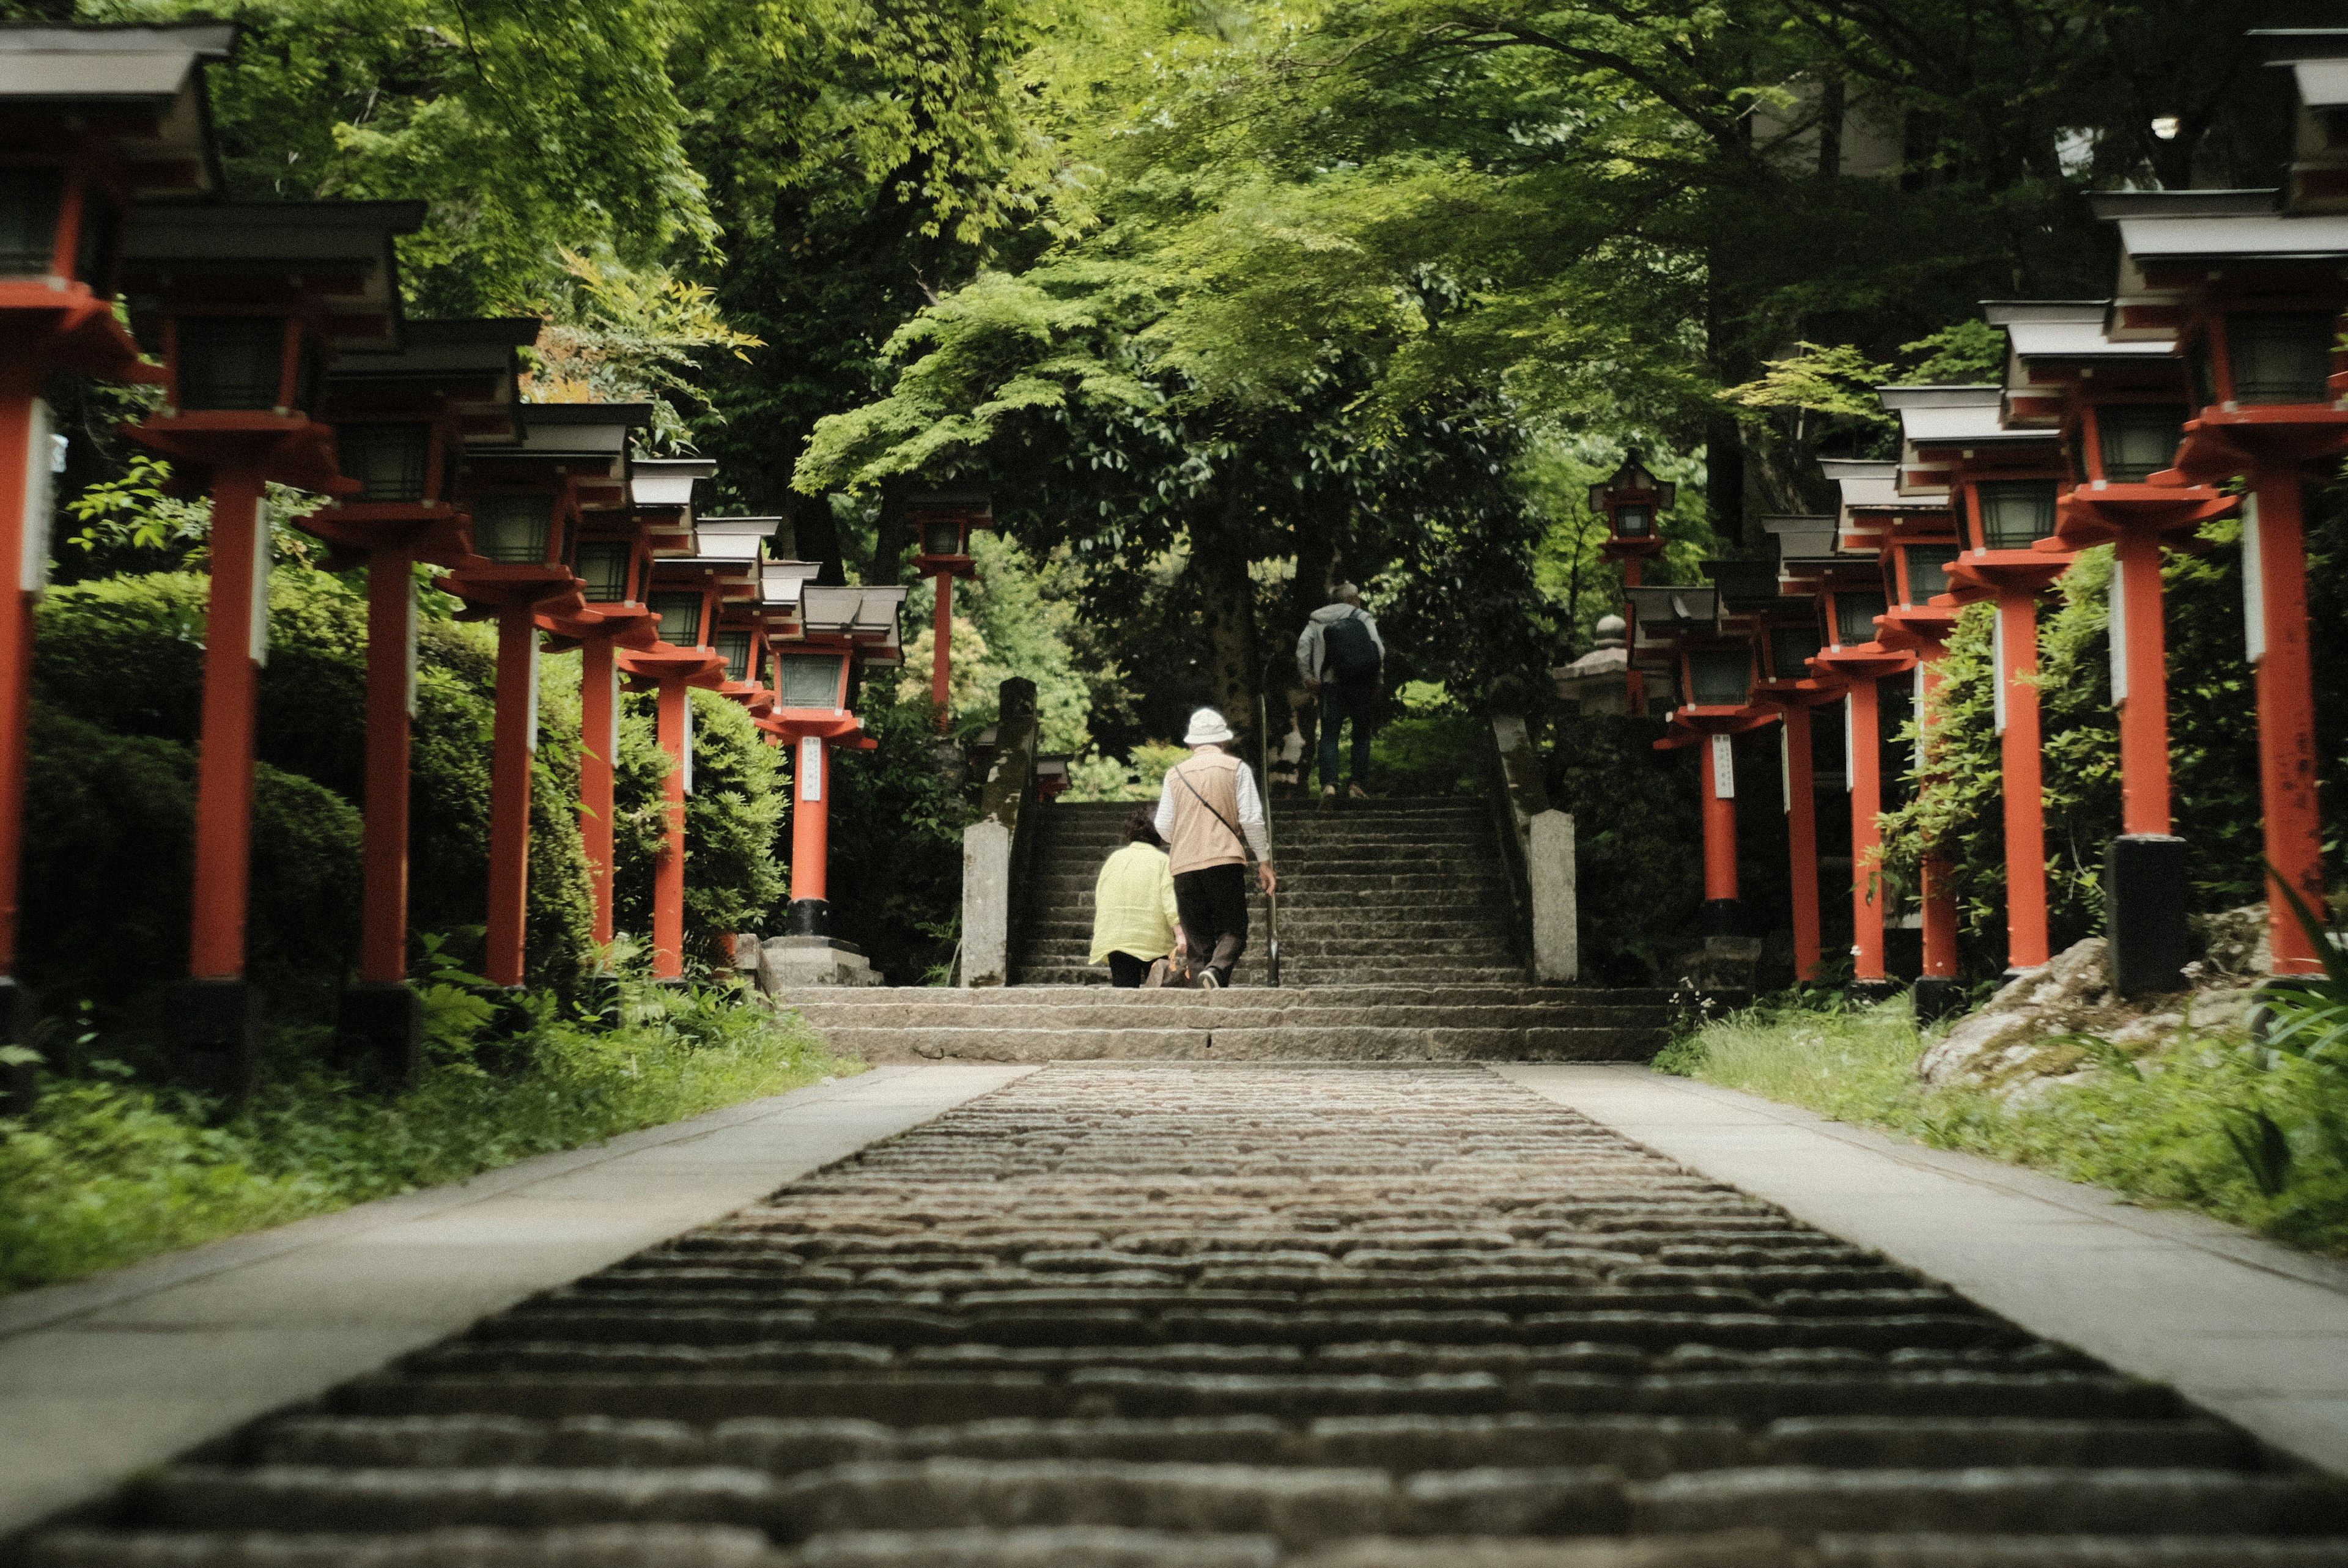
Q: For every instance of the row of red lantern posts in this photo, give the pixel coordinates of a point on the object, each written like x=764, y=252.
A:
x=2211, y=384
x=275, y=334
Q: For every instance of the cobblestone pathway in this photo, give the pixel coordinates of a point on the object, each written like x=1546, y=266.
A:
x=1182, y=1316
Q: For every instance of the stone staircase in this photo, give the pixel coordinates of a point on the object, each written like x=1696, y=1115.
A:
x=1174, y=1316
x=1385, y=892
x=1396, y=923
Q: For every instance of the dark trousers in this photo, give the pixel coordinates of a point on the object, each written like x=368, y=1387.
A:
x=1127, y=972
x=1213, y=906
x=1339, y=702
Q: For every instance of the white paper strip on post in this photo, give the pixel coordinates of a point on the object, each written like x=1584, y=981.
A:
x=412, y=658
x=44, y=459
x=2254, y=588
x=611, y=738
x=1850, y=744
x=810, y=767
x=264, y=557
x=1786, y=765
x=530, y=722
x=1724, y=769
x=2119, y=623
x=1999, y=676
x=688, y=743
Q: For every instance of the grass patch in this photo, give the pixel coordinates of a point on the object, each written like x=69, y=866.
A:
x=107, y=1171
x=2216, y=1124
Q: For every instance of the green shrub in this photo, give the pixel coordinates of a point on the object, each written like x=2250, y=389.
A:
x=2254, y=1137
x=1636, y=828
x=733, y=824
x=1435, y=755
x=105, y=1171
x=896, y=844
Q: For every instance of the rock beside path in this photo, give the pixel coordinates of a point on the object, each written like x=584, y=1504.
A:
x=2050, y=1026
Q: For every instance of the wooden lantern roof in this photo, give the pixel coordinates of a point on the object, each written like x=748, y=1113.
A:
x=472, y=368
x=662, y=489
x=137, y=91
x=335, y=256
x=867, y=616
x=588, y=442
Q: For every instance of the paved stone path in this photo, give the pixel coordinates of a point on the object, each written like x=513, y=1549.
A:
x=1183, y=1316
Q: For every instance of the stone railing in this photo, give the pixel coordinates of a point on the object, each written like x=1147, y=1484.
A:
x=1538, y=844
x=995, y=848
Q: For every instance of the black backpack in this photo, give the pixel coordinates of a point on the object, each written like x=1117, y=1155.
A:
x=1351, y=652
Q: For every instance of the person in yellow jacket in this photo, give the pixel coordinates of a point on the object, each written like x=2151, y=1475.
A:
x=1134, y=919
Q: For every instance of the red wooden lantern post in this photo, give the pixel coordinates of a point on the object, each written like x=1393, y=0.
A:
x=1850, y=600
x=941, y=522
x=90, y=118
x=1787, y=642
x=838, y=629
x=2001, y=459
x=249, y=302
x=2119, y=406
x=1916, y=562
x=2254, y=293
x=1632, y=503
x=529, y=505
x=401, y=422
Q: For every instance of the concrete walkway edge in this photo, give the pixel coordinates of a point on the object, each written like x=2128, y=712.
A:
x=102, y=1377
x=2248, y=1329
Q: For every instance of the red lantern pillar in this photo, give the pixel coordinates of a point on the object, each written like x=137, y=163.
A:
x=599, y=750
x=942, y=654
x=512, y=761
x=2274, y=574
x=236, y=633
x=675, y=723
x=1938, y=891
x=2023, y=801
x=810, y=822
x=390, y=685
x=23, y=470
x=1865, y=765
x=1802, y=840
x=1719, y=822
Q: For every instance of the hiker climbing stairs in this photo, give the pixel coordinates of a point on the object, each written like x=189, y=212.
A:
x=1390, y=892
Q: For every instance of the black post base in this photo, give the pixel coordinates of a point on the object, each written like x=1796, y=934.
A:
x=807, y=918
x=215, y=1034
x=2148, y=944
x=20, y=1082
x=1937, y=998
x=380, y=1034
x=1723, y=916
x=1870, y=992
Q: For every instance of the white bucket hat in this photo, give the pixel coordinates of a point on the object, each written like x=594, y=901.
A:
x=1207, y=729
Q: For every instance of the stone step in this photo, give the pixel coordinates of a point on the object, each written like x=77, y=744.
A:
x=1808, y=1499
x=1294, y=975
x=1191, y=1010
x=1329, y=922
x=1292, y=1042
x=586, y=1546
x=1513, y=992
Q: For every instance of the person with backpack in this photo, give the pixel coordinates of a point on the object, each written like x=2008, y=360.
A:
x=1134, y=912
x=1343, y=658
x=1210, y=816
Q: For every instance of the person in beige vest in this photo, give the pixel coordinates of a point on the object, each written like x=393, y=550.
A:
x=1210, y=816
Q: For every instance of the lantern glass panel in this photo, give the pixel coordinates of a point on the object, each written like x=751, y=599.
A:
x=808, y=680
x=389, y=461
x=1791, y=648
x=2279, y=356
x=230, y=362
x=603, y=566
x=1633, y=522
x=734, y=647
x=2139, y=440
x=2016, y=513
x=1719, y=677
x=1928, y=570
x=1854, y=616
x=941, y=536
x=30, y=200
x=680, y=618
x=512, y=529
x=100, y=241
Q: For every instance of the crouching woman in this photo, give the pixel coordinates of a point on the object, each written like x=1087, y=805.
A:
x=1134, y=922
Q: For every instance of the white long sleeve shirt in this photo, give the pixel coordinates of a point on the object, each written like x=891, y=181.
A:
x=1244, y=791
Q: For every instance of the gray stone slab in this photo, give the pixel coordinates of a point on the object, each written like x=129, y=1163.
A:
x=2251, y=1330
x=104, y=1376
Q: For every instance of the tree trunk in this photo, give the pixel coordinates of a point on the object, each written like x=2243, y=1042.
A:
x=1218, y=558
